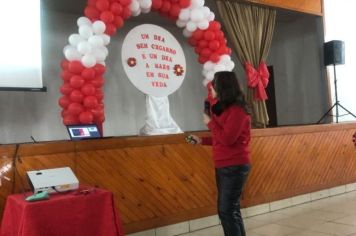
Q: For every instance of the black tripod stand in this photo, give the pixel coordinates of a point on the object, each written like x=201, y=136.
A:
x=336, y=104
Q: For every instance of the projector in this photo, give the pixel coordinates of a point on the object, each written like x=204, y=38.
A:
x=52, y=180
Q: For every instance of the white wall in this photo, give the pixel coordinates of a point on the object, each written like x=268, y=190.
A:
x=339, y=24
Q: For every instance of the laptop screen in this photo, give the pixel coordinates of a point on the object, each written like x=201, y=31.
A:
x=79, y=132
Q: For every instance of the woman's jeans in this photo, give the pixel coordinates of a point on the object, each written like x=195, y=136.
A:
x=230, y=182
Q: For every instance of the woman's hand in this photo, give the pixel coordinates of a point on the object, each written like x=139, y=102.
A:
x=206, y=119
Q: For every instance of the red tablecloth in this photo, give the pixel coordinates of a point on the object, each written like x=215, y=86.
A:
x=69, y=214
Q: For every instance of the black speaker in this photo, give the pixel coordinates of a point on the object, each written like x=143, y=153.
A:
x=334, y=53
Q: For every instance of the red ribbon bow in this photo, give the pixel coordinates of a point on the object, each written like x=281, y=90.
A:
x=257, y=79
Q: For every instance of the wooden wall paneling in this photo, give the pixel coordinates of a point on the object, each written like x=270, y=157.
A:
x=162, y=180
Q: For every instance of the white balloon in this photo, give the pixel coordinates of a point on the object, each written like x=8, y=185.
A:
x=72, y=54
x=203, y=25
x=99, y=27
x=219, y=67
x=88, y=60
x=225, y=58
x=210, y=75
x=181, y=23
x=197, y=3
x=102, y=62
x=204, y=72
x=134, y=6
x=84, y=47
x=145, y=4
x=74, y=39
x=137, y=13
x=184, y=15
x=206, y=11
x=85, y=31
x=83, y=21
x=191, y=26
x=145, y=10
x=230, y=66
x=105, y=50
x=106, y=39
x=211, y=16
x=99, y=54
x=209, y=65
x=196, y=15
x=66, y=48
x=96, y=41
x=187, y=33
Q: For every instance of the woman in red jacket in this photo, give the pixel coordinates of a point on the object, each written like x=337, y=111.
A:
x=230, y=126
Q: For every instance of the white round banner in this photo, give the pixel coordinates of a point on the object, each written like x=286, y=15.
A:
x=153, y=60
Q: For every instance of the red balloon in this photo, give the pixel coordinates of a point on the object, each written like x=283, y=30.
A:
x=86, y=117
x=88, y=73
x=110, y=29
x=219, y=35
x=198, y=50
x=192, y=41
x=209, y=35
x=184, y=3
x=198, y=34
x=119, y=22
x=202, y=44
x=97, y=112
x=125, y=2
x=102, y=5
x=66, y=89
x=214, y=25
x=202, y=59
x=75, y=67
x=107, y=17
x=99, y=119
x=214, y=57
x=70, y=120
x=64, y=113
x=166, y=6
x=205, y=52
x=175, y=9
x=99, y=69
x=91, y=12
x=64, y=101
x=88, y=89
x=75, y=108
x=76, y=81
x=156, y=4
x=126, y=13
x=76, y=96
x=214, y=45
x=228, y=51
x=98, y=82
x=116, y=8
x=64, y=64
x=99, y=94
x=66, y=75
x=91, y=3
x=90, y=102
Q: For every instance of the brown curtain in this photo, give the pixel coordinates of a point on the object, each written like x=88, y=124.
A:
x=250, y=28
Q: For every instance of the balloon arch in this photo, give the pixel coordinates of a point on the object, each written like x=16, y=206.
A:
x=84, y=66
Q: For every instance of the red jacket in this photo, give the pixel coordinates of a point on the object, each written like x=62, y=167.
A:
x=231, y=134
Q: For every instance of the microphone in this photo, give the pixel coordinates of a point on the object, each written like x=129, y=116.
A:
x=33, y=139
x=207, y=107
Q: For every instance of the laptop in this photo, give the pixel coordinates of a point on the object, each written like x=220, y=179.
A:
x=83, y=131
x=52, y=180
